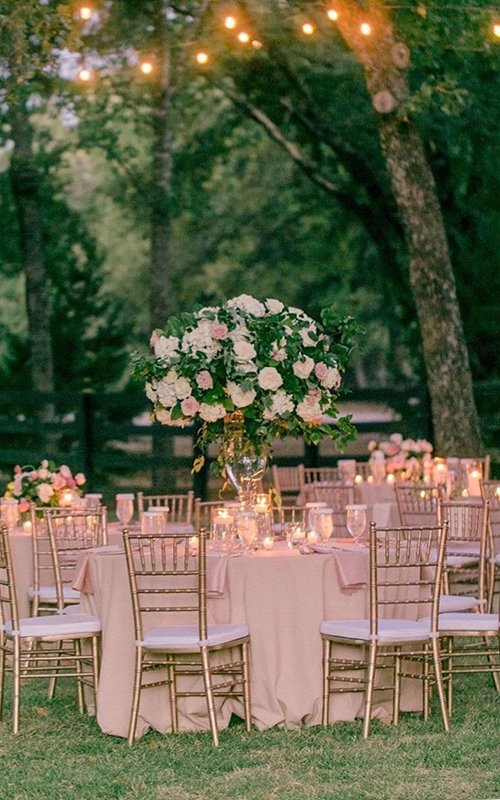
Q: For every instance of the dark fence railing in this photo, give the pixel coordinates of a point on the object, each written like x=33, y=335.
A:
x=110, y=436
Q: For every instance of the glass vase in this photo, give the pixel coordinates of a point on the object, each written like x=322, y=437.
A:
x=245, y=462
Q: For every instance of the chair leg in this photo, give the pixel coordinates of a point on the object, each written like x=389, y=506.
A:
x=491, y=584
x=426, y=683
x=327, y=651
x=16, y=670
x=397, y=686
x=2, y=677
x=449, y=670
x=78, y=669
x=94, y=643
x=439, y=683
x=134, y=711
x=173, y=694
x=370, y=684
x=207, y=679
x=53, y=681
x=494, y=667
x=246, y=687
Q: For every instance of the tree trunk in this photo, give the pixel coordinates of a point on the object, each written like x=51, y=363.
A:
x=161, y=302
x=385, y=62
x=23, y=176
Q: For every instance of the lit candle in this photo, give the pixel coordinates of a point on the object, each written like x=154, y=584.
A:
x=358, y=479
x=390, y=478
x=370, y=479
x=268, y=542
x=27, y=526
x=223, y=517
x=66, y=498
x=193, y=546
x=474, y=482
x=261, y=503
x=440, y=473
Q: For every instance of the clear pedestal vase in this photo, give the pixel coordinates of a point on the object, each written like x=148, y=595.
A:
x=245, y=462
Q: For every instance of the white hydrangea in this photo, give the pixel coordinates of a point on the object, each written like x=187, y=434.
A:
x=248, y=304
x=281, y=404
x=166, y=393
x=165, y=346
x=200, y=340
x=211, y=413
x=274, y=306
x=182, y=388
x=310, y=410
x=151, y=392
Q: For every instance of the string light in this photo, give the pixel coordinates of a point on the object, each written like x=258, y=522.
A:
x=496, y=29
x=146, y=67
x=256, y=44
x=230, y=22
x=308, y=28
x=332, y=14
x=365, y=28
x=85, y=74
x=243, y=37
x=202, y=57
x=85, y=13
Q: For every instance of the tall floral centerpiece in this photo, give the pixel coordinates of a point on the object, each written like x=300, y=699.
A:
x=46, y=485
x=249, y=372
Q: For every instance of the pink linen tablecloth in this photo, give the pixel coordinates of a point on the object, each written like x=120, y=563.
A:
x=283, y=596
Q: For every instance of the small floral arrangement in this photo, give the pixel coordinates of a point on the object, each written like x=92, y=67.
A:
x=402, y=457
x=44, y=485
x=274, y=365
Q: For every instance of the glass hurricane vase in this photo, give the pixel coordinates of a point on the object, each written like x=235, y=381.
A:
x=244, y=460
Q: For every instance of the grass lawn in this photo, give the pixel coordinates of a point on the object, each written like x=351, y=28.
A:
x=61, y=756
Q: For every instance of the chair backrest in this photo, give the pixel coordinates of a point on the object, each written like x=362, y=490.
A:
x=468, y=524
x=318, y=474
x=180, y=506
x=8, y=598
x=167, y=575
x=490, y=491
x=417, y=503
x=43, y=564
x=460, y=465
x=288, y=515
x=72, y=532
x=336, y=496
x=204, y=511
x=286, y=480
x=406, y=571
x=363, y=469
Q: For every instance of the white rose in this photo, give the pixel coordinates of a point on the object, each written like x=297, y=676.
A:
x=274, y=306
x=182, y=388
x=43, y=474
x=164, y=416
x=239, y=333
x=245, y=367
x=244, y=351
x=269, y=378
x=332, y=379
x=248, y=304
x=304, y=334
x=166, y=393
x=171, y=376
x=44, y=492
x=309, y=411
x=238, y=396
x=211, y=413
x=151, y=393
x=165, y=346
x=396, y=438
x=303, y=368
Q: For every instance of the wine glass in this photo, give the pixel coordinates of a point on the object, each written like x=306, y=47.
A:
x=124, y=508
x=356, y=521
x=323, y=523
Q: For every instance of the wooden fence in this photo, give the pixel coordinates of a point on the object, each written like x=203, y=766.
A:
x=110, y=436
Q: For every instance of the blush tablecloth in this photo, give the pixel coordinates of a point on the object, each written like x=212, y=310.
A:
x=283, y=596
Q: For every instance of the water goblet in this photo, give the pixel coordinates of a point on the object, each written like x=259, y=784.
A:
x=124, y=508
x=356, y=521
x=323, y=523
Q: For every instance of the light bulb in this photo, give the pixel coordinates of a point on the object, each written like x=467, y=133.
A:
x=332, y=14
x=496, y=29
x=256, y=44
x=230, y=22
x=243, y=37
x=308, y=28
x=365, y=28
x=85, y=74
x=85, y=13
x=146, y=67
x=202, y=57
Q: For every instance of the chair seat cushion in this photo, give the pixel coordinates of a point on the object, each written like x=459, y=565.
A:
x=48, y=594
x=56, y=625
x=185, y=637
x=389, y=630
x=456, y=602
x=456, y=561
x=456, y=623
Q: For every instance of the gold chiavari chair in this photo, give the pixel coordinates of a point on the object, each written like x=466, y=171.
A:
x=417, y=503
x=336, y=497
x=286, y=481
x=318, y=474
x=363, y=469
x=204, y=511
x=180, y=506
x=286, y=517
x=490, y=490
x=72, y=532
x=406, y=566
x=165, y=577
x=20, y=638
x=459, y=467
x=472, y=641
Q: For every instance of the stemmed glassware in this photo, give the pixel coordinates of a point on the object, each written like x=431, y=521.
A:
x=356, y=521
x=124, y=508
x=247, y=528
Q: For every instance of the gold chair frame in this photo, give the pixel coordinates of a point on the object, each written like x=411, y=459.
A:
x=337, y=496
x=180, y=506
x=166, y=578
x=490, y=490
x=407, y=561
x=19, y=654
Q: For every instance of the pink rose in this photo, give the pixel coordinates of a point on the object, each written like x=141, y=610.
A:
x=303, y=368
x=219, y=330
x=58, y=482
x=190, y=406
x=65, y=471
x=321, y=370
x=204, y=379
x=24, y=506
x=17, y=469
x=80, y=479
x=269, y=378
